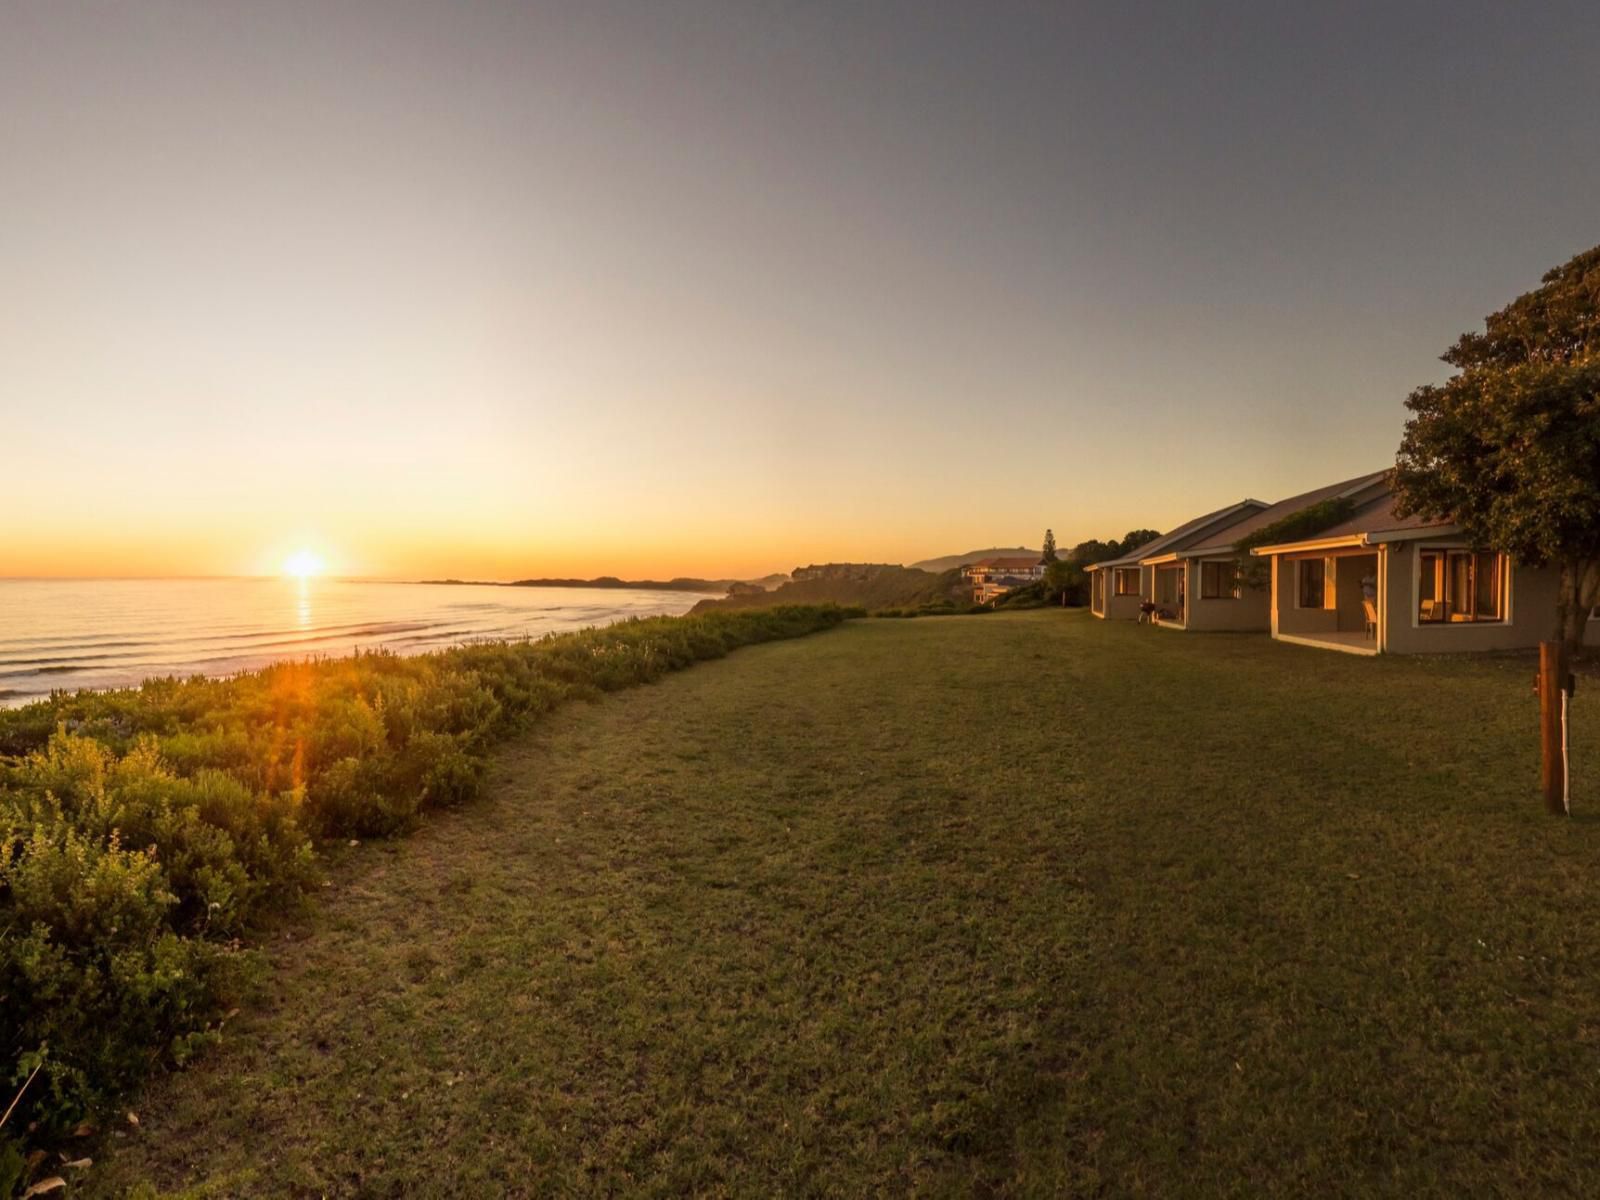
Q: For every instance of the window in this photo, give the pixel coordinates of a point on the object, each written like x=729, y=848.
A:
x=1219, y=581
x=1456, y=586
x=1127, y=581
x=1313, y=585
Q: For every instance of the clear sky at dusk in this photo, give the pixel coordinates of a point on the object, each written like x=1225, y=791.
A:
x=509, y=289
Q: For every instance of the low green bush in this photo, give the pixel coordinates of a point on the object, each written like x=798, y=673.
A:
x=142, y=830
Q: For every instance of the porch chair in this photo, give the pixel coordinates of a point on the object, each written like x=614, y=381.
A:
x=1372, y=618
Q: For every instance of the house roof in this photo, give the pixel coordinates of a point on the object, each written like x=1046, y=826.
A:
x=1223, y=540
x=1379, y=516
x=1376, y=520
x=1168, y=542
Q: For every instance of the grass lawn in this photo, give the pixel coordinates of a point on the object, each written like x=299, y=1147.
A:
x=1023, y=903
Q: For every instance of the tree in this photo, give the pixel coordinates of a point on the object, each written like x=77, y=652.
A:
x=1065, y=582
x=1136, y=538
x=1509, y=447
x=1049, y=555
x=1094, y=551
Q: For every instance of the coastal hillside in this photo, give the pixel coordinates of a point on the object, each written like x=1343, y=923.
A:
x=872, y=586
x=950, y=561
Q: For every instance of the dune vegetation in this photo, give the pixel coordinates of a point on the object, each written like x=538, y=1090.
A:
x=144, y=831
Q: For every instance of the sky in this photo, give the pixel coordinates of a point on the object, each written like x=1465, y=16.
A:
x=495, y=290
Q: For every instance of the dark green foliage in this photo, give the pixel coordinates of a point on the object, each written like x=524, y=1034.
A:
x=1049, y=553
x=1031, y=595
x=1299, y=525
x=1509, y=447
x=872, y=586
x=943, y=608
x=141, y=831
x=1094, y=551
x=1135, y=538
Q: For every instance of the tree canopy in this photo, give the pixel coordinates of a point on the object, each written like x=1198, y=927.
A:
x=1509, y=447
x=1135, y=538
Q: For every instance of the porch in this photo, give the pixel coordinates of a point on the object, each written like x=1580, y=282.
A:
x=1328, y=599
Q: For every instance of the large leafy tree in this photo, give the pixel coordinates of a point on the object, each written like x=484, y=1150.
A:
x=1509, y=446
x=1135, y=538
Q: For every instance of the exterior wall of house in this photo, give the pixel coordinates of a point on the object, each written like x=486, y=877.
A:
x=1530, y=609
x=1122, y=608
x=1251, y=611
x=1529, y=602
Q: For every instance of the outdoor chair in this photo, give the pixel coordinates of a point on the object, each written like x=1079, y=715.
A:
x=1372, y=618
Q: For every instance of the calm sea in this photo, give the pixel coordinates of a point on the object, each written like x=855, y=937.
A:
x=103, y=633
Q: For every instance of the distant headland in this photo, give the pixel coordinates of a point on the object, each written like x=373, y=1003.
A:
x=717, y=587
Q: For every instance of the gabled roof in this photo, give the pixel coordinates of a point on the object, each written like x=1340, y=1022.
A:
x=1378, y=518
x=1167, y=542
x=1374, y=522
x=1220, y=544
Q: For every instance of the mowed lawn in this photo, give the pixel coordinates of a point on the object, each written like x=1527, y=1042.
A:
x=1022, y=904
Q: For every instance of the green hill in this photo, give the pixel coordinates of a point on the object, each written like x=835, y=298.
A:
x=873, y=586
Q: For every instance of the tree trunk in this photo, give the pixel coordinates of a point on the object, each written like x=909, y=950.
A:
x=1574, y=601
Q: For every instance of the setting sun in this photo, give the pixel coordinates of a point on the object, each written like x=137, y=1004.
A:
x=302, y=564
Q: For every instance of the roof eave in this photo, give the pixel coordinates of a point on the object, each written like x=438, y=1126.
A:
x=1379, y=536
x=1353, y=539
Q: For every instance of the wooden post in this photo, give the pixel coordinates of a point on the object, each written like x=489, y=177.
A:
x=1553, y=776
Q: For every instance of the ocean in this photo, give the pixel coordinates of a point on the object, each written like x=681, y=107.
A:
x=105, y=633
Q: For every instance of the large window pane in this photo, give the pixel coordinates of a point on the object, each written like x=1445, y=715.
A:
x=1429, y=586
x=1458, y=586
x=1217, y=580
x=1488, y=587
x=1313, y=582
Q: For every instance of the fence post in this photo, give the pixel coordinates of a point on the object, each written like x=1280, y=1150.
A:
x=1553, y=773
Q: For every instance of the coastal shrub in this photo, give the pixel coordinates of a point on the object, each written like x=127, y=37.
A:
x=144, y=830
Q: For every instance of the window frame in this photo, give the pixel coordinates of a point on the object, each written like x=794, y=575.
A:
x=1219, y=592
x=1438, y=565
x=1117, y=574
x=1300, y=565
